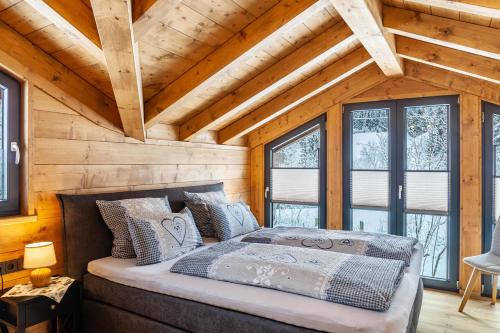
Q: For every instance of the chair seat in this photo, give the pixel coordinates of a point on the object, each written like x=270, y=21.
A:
x=488, y=262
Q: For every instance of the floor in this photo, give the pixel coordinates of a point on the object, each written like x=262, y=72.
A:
x=440, y=314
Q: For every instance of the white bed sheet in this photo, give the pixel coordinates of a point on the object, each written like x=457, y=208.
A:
x=277, y=305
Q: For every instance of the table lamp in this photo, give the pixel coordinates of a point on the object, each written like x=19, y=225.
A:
x=39, y=256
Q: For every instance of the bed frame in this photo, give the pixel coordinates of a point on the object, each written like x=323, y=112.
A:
x=111, y=307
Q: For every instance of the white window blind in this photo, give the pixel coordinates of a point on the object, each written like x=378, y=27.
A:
x=295, y=185
x=370, y=188
x=427, y=191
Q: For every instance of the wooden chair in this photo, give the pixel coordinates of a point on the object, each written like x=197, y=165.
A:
x=488, y=263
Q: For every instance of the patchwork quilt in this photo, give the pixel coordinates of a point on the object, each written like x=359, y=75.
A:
x=352, y=242
x=360, y=281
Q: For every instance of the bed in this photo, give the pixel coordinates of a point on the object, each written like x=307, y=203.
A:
x=121, y=297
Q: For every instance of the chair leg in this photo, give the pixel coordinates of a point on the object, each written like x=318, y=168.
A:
x=470, y=285
x=494, y=290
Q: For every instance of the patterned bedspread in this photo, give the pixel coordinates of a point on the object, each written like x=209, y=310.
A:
x=352, y=242
x=360, y=281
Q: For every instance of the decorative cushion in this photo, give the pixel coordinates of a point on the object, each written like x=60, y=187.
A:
x=114, y=215
x=157, y=240
x=232, y=219
x=197, y=204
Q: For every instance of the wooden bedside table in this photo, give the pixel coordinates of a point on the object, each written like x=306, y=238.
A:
x=22, y=312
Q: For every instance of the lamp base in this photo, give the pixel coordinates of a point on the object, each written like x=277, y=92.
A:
x=40, y=277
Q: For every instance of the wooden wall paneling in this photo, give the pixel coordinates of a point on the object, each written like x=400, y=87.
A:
x=471, y=214
x=453, y=81
x=334, y=193
x=257, y=183
x=314, y=85
x=459, y=35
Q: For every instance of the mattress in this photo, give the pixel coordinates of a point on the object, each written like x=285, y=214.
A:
x=272, y=304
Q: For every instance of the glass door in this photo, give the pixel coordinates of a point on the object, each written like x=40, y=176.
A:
x=491, y=181
x=295, y=178
x=401, y=176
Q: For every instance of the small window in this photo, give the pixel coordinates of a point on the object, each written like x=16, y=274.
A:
x=10, y=100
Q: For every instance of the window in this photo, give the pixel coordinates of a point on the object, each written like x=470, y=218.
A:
x=10, y=125
x=401, y=176
x=296, y=178
x=491, y=180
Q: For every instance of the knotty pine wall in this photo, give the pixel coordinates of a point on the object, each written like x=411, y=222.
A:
x=69, y=154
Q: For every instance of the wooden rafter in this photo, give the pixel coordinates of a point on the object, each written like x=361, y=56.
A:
x=317, y=50
x=455, y=34
x=28, y=61
x=347, y=88
x=114, y=23
x=279, y=19
x=450, y=59
x=489, y=8
x=302, y=92
x=364, y=17
x=449, y=80
x=75, y=20
x=148, y=12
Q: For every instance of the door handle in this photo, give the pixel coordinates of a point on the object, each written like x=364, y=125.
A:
x=400, y=192
x=266, y=192
x=14, y=147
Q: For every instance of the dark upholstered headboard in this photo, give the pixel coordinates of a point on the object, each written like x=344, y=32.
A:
x=86, y=236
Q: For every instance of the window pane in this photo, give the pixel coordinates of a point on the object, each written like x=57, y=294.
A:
x=370, y=141
x=295, y=185
x=431, y=231
x=292, y=215
x=370, y=188
x=301, y=152
x=427, y=137
x=427, y=191
x=370, y=220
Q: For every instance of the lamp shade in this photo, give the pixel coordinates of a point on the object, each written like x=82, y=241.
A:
x=38, y=255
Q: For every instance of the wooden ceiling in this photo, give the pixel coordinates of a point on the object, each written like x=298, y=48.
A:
x=230, y=66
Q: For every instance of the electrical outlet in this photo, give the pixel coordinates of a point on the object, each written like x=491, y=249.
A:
x=11, y=266
x=2, y=268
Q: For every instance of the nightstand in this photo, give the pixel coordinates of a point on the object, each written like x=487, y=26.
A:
x=22, y=312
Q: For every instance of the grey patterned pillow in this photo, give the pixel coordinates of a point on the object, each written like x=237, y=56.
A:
x=197, y=204
x=157, y=240
x=232, y=219
x=114, y=214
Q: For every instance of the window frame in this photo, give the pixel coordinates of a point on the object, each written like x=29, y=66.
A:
x=11, y=112
x=321, y=122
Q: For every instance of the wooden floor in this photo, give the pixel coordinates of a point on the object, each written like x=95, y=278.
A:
x=440, y=314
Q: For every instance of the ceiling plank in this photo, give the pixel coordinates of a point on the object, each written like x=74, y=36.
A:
x=316, y=84
x=19, y=55
x=75, y=20
x=364, y=17
x=148, y=12
x=489, y=8
x=455, y=34
x=114, y=23
x=351, y=86
x=261, y=32
x=450, y=59
x=317, y=50
x=449, y=80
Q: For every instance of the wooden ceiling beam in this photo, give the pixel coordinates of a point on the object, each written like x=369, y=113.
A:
x=335, y=39
x=238, y=49
x=348, y=88
x=75, y=20
x=146, y=13
x=449, y=59
x=19, y=55
x=114, y=23
x=316, y=84
x=364, y=17
x=488, y=8
x=455, y=34
x=453, y=81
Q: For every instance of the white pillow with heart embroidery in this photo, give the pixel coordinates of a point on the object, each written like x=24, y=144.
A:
x=232, y=219
x=158, y=240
